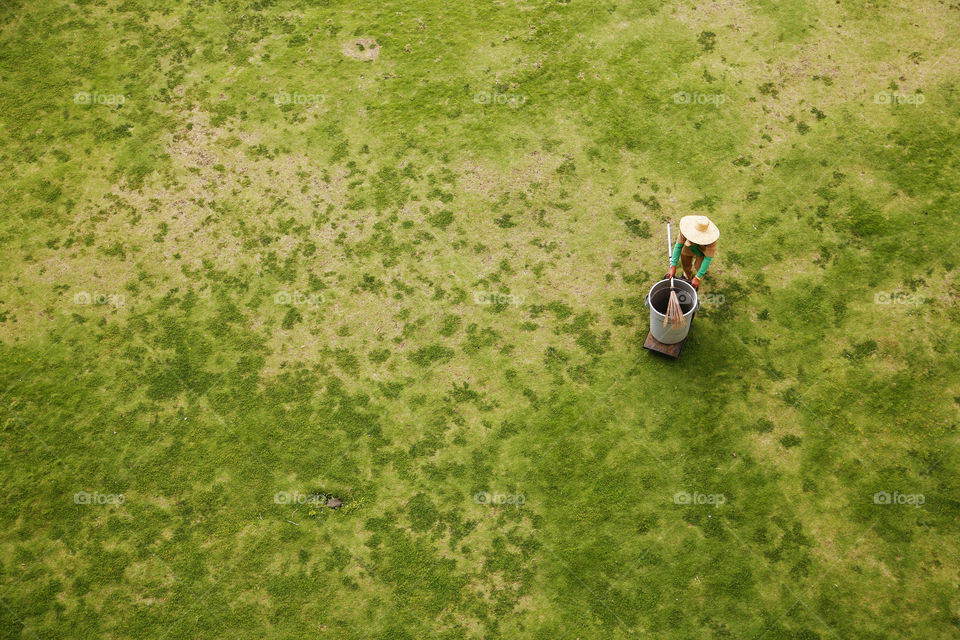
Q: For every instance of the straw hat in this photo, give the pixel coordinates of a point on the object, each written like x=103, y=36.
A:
x=699, y=229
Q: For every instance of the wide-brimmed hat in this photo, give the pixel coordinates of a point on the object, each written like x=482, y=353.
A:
x=699, y=229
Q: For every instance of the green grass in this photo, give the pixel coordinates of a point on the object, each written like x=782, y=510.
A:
x=417, y=285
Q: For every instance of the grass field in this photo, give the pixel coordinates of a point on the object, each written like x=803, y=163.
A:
x=260, y=255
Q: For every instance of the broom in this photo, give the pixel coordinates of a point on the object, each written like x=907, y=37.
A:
x=674, y=315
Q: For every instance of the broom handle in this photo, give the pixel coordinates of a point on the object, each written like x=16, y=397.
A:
x=669, y=255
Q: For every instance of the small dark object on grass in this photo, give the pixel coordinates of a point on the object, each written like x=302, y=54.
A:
x=334, y=503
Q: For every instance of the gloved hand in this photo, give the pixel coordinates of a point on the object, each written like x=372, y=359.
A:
x=672, y=272
x=696, y=283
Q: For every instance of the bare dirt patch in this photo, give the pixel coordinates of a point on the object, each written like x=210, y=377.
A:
x=363, y=49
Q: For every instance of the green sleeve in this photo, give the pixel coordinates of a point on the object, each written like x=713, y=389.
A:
x=675, y=258
x=703, y=267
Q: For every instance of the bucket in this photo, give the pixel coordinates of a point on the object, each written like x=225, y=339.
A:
x=657, y=300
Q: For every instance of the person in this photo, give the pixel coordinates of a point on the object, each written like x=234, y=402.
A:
x=695, y=248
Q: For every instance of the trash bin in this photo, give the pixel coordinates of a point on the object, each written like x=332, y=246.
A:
x=657, y=300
